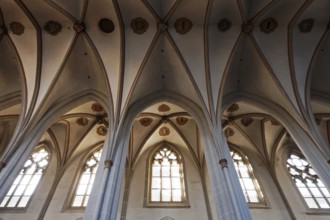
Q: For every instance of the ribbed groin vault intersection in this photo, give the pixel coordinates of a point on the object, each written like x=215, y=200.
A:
x=164, y=109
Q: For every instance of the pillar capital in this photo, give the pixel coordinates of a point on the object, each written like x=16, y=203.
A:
x=223, y=163
x=108, y=163
x=2, y=164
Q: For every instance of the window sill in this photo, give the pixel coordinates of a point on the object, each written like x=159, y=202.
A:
x=167, y=205
x=12, y=210
x=74, y=210
x=318, y=212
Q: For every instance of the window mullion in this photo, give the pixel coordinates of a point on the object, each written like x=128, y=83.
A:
x=171, y=187
x=161, y=181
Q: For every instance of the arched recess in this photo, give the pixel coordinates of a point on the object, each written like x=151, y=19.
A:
x=250, y=130
x=158, y=124
x=76, y=132
x=68, y=125
x=281, y=128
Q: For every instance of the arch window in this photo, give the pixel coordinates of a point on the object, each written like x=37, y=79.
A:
x=167, y=178
x=86, y=180
x=27, y=180
x=247, y=179
x=308, y=183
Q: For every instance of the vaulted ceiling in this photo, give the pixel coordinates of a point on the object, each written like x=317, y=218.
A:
x=56, y=51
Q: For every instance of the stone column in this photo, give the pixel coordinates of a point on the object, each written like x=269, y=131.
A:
x=228, y=196
x=105, y=197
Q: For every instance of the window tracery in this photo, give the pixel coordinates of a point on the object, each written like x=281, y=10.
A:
x=247, y=179
x=308, y=183
x=27, y=180
x=86, y=180
x=167, y=177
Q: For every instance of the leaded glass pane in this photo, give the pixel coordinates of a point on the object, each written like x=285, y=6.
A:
x=13, y=201
x=166, y=195
x=176, y=184
x=155, y=195
x=176, y=195
x=4, y=202
x=165, y=170
x=156, y=183
x=155, y=170
x=23, y=202
x=166, y=183
x=77, y=201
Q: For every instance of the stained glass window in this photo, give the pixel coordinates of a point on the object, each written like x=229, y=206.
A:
x=27, y=180
x=86, y=180
x=167, y=182
x=308, y=183
x=249, y=183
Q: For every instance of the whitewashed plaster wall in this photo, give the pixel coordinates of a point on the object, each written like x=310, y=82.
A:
x=195, y=193
x=275, y=208
x=57, y=209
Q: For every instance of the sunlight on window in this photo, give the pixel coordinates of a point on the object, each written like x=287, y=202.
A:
x=308, y=183
x=249, y=183
x=27, y=181
x=167, y=184
x=84, y=187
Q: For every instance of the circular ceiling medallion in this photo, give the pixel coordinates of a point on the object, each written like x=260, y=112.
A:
x=79, y=27
x=268, y=25
x=82, y=121
x=17, y=28
x=164, y=108
x=224, y=25
x=246, y=121
x=96, y=107
x=146, y=121
x=162, y=27
x=183, y=25
x=306, y=25
x=181, y=120
x=233, y=108
x=164, y=131
x=247, y=28
x=106, y=25
x=229, y=132
x=102, y=130
x=53, y=27
x=139, y=25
